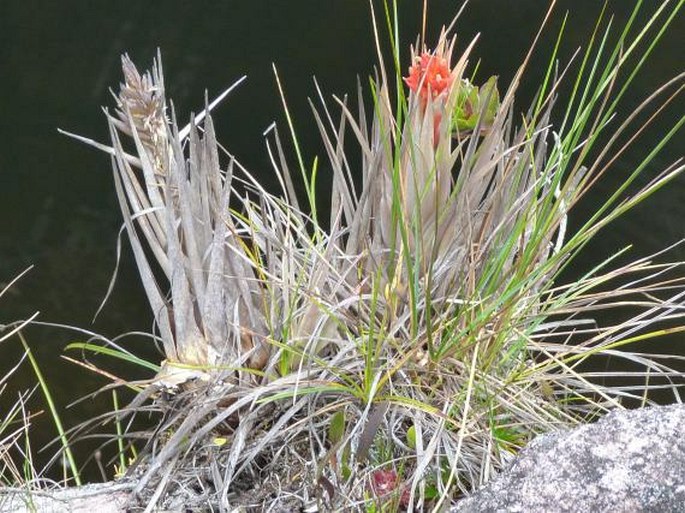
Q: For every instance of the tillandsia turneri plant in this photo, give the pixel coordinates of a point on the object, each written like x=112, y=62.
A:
x=399, y=357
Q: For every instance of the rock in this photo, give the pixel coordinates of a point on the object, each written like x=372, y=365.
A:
x=629, y=461
x=100, y=498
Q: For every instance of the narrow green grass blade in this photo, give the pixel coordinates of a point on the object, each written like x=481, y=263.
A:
x=53, y=412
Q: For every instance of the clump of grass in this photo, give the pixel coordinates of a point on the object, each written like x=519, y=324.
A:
x=16, y=466
x=398, y=358
x=20, y=478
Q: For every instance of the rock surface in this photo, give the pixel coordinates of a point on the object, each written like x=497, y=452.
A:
x=100, y=498
x=629, y=461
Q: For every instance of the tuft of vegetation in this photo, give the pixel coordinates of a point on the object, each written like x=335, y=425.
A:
x=18, y=474
x=396, y=354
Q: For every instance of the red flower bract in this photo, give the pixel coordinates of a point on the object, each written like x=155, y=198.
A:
x=430, y=74
x=384, y=482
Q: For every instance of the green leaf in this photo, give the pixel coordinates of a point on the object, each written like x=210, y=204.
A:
x=411, y=437
x=431, y=492
x=507, y=437
x=115, y=353
x=337, y=428
x=490, y=93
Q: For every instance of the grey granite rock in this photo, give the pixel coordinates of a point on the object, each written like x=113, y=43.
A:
x=629, y=461
x=92, y=498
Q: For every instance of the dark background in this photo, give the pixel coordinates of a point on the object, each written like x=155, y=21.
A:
x=58, y=211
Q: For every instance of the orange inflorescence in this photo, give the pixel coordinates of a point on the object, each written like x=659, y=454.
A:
x=429, y=75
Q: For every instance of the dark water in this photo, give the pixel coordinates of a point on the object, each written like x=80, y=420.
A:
x=57, y=206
